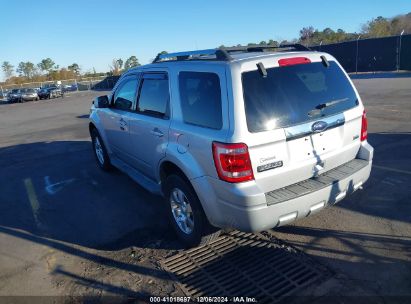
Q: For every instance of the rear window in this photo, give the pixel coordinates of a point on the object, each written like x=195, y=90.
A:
x=295, y=94
x=200, y=95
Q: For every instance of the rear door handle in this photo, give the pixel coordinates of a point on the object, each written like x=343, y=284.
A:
x=157, y=132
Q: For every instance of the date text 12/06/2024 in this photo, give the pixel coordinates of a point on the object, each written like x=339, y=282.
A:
x=203, y=300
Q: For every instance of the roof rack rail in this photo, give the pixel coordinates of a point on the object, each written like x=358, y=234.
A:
x=219, y=54
x=223, y=53
x=264, y=47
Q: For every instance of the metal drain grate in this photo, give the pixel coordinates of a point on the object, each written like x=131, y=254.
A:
x=242, y=265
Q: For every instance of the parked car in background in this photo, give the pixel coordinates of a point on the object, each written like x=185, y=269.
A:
x=29, y=94
x=50, y=92
x=55, y=92
x=14, y=95
x=3, y=94
x=69, y=88
x=43, y=93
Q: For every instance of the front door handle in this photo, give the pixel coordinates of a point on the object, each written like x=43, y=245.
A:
x=123, y=124
x=157, y=132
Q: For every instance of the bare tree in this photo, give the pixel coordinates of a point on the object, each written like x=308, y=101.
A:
x=46, y=65
x=8, y=69
x=26, y=69
x=116, y=66
x=306, y=33
x=75, y=68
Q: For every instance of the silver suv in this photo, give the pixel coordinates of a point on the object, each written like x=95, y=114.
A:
x=248, y=138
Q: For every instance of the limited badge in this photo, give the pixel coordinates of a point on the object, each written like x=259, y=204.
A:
x=270, y=166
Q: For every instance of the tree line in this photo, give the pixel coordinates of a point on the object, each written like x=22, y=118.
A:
x=48, y=70
x=375, y=28
x=45, y=70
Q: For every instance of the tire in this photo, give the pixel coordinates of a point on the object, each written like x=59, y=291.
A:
x=200, y=232
x=100, y=151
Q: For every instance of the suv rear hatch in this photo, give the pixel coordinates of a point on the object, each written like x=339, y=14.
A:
x=304, y=119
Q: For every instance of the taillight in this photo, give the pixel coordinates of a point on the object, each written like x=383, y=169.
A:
x=293, y=61
x=232, y=162
x=364, y=127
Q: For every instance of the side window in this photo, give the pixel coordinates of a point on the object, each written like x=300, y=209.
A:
x=125, y=94
x=154, y=95
x=200, y=95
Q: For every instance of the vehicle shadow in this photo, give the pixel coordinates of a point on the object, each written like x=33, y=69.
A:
x=6, y=102
x=55, y=190
x=53, y=194
x=83, y=116
x=386, y=194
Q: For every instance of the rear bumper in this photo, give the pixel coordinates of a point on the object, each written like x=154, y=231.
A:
x=246, y=208
x=28, y=98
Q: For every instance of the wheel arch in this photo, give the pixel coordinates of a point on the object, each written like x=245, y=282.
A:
x=93, y=125
x=168, y=168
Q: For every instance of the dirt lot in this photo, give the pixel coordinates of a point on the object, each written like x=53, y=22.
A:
x=66, y=228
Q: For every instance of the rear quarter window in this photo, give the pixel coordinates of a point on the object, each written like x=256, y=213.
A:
x=294, y=94
x=200, y=95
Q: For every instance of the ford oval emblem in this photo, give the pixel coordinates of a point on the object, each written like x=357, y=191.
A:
x=319, y=126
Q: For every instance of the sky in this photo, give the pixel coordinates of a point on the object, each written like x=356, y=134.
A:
x=91, y=33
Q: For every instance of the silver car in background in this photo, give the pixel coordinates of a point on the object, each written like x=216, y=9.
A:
x=28, y=95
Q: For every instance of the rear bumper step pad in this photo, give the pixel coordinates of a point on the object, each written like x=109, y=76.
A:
x=315, y=183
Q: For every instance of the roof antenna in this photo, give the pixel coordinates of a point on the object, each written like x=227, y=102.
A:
x=262, y=69
x=325, y=61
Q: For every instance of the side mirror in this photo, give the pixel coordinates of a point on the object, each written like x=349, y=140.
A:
x=101, y=102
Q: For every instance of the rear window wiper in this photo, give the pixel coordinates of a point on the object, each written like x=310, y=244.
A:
x=318, y=108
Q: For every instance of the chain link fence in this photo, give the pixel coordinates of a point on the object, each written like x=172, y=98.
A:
x=80, y=84
x=97, y=83
x=372, y=55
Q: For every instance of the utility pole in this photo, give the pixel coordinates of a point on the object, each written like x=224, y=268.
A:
x=356, y=57
x=399, y=53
